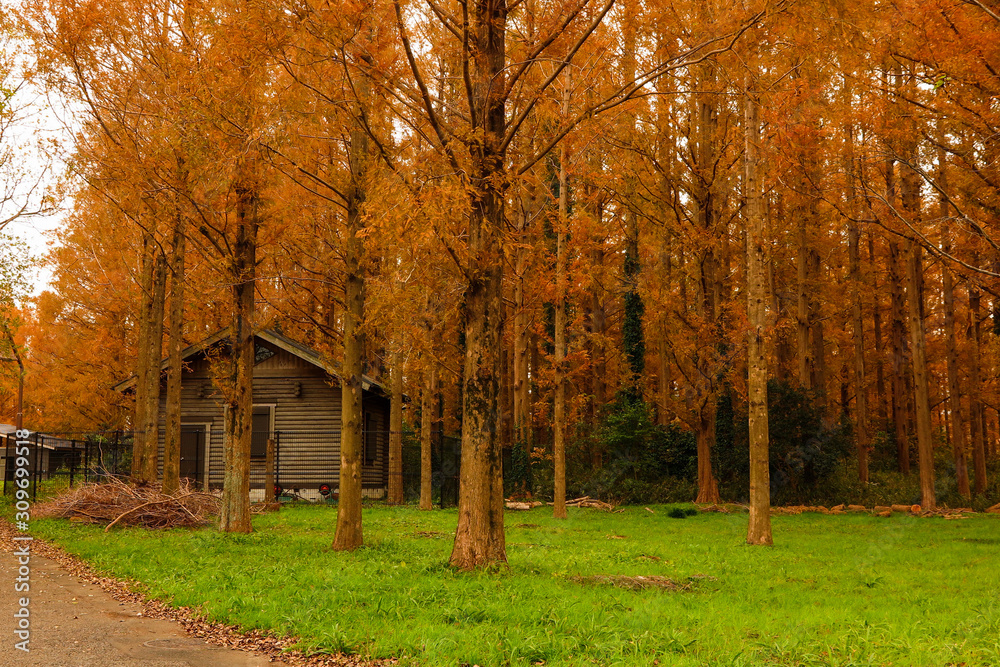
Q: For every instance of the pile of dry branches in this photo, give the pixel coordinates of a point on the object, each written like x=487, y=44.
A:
x=116, y=502
x=585, y=501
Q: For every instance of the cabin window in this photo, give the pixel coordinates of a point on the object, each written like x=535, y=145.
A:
x=371, y=439
x=261, y=431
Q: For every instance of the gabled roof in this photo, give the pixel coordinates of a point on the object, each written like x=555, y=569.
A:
x=277, y=340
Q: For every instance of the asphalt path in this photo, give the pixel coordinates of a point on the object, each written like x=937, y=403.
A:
x=77, y=624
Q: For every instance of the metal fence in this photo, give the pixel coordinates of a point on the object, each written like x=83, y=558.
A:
x=72, y=457
x=305, y=463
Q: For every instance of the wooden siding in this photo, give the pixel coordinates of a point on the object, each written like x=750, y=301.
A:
x=306, y=419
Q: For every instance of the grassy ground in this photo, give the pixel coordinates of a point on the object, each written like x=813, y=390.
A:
x=835, y=590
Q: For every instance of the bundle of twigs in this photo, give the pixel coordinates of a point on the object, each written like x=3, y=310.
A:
x=587, y=501
x=118, y=503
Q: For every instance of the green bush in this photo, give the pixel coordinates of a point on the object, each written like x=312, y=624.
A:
x=808, y=457
x=643, y=462
x=812, y=461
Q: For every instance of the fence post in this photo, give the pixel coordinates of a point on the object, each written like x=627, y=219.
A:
x=72, y=461
x=385, y=462
x=277, y=459
x=269, y=472
x=117, y=452
x=6, y=459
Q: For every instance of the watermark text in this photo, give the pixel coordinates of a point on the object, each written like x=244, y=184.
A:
x=22, y=543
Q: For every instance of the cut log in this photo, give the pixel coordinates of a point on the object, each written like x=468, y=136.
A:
x=522, y=504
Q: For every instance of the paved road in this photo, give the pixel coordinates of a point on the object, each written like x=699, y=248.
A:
x=76, y=624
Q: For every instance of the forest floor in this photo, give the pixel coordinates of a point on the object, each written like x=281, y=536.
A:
x=630, y=588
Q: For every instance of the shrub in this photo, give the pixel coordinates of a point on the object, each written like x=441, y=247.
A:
x=807, y=455
x=642, y=461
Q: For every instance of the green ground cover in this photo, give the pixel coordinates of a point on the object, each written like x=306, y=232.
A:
x=835, y=590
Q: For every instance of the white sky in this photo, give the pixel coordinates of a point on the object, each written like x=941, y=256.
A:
x=36, y=135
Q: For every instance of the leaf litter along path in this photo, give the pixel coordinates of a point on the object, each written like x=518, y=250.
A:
x=76, y=623
x=82, y=619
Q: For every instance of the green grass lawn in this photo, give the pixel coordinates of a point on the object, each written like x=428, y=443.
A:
x=835, y=590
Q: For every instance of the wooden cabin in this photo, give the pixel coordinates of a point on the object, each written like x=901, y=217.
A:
x=296, y=401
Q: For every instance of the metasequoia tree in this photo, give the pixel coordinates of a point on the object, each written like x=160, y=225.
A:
x=499, y=94
x=559, y=361
x=958, y=438
x=759, y=530
x=354, y=53
x=349, y=531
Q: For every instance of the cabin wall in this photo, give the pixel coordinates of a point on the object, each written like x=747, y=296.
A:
x=305, y=404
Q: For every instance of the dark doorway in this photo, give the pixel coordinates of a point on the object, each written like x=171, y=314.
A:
x=192, y=453
x=261, y=431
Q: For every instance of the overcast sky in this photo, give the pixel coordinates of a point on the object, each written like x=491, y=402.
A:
x=36, y=135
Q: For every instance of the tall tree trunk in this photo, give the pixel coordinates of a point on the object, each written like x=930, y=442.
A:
x=759, y=529
x=479, y=536
x=708, y=282
x=395, y=492
x=234, y=516
x=992, y=433
x=633, y=338
x=860, y=384
x=975, y=392
x=172, y=436
x=151, y=427
x=783, y=347
x=598, y=330
x=862, y=437
x=817, y=338
x=883, y=394
x=708, y=487
x=959, y=444
x=535, y=357
x=921, y=379
x=522, y=384
x=522, y=410
x=427, y=408
x=559, y=408
x=900, y=389
x=349, y=533
x=506, y=400
x=664, y=383
x=803, y=324
x=145, y=323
